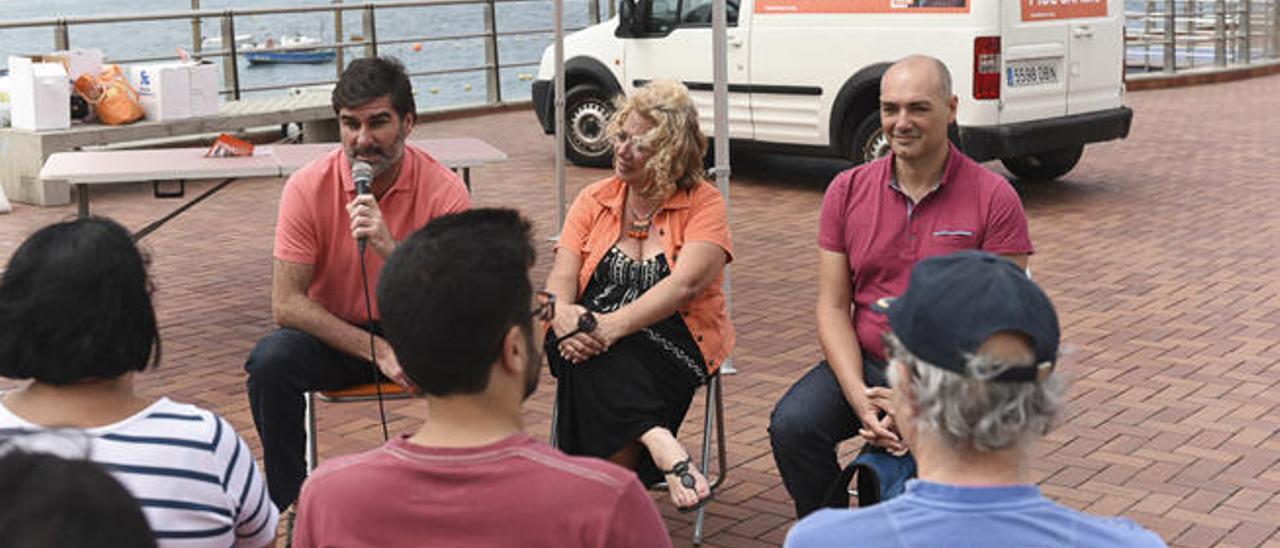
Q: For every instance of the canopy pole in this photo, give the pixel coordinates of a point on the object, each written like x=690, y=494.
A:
x=720, y=93
x=558, y=107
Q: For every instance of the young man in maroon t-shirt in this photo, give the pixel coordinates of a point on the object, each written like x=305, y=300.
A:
x=925, y=198
x=462, y=316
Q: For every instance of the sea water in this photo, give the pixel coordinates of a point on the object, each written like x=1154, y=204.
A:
x=163, y=38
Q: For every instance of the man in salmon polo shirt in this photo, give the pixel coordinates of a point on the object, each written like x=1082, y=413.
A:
x=925, y=198
x=460, y=311
x=317, y=288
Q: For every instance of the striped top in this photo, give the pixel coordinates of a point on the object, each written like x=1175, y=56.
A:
x=194, y=476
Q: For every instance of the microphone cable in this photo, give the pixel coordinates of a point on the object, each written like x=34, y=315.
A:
x=373, y=352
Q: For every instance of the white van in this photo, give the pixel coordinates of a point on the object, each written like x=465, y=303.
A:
x=1037, y=79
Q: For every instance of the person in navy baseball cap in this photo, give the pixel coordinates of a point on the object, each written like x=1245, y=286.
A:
x=972, y=348
x=956, y=302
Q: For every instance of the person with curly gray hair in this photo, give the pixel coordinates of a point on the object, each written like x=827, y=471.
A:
x=972, y=348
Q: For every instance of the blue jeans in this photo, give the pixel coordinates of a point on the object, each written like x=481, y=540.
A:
x=807, y=425
x=282, y=367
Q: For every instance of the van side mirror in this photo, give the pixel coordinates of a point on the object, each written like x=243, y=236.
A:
x=632, y=17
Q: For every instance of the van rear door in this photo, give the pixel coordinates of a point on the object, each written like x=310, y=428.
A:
x=1095, y=50
x=1035, y=60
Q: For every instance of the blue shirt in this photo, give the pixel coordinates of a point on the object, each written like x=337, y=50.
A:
x=935, y=514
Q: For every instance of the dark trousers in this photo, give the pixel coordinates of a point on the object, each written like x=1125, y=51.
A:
x=282, y=367
x=807, y=425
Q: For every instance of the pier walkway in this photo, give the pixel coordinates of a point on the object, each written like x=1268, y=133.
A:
x=1161, y=252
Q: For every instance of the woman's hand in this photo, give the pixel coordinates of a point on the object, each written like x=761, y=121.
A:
x=609, y=328
x=579, y=347
x=584, y=345
x=566, y=320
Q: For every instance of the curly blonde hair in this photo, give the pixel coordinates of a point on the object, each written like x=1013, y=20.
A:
x=676, y=142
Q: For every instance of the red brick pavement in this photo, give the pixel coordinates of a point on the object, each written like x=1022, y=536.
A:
x=1159, y=251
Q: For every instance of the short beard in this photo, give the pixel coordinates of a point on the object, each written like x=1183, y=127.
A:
x=385, y=163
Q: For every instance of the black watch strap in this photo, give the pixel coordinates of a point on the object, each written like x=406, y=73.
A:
x=586, y=324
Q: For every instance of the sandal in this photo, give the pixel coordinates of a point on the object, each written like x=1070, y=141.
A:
x=682, y=470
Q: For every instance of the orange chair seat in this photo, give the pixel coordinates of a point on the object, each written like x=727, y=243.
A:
x=367, y=390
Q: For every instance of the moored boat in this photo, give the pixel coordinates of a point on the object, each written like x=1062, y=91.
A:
x=292, y=48
x=215, y=42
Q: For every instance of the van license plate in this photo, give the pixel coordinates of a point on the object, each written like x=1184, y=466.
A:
x=1032, y=73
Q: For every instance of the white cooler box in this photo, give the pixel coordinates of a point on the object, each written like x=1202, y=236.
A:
x=173, y=91
x=39, y=94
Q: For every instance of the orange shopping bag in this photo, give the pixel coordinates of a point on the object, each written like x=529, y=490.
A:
x=115, y=101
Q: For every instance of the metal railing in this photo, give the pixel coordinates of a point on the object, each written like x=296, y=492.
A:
x=366, y=44
x=1174, y=35
x=1162, y=36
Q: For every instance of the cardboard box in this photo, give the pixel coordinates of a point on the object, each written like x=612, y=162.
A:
x=173, y=91
x=164, y=90
x=204, y=89
x=79, y=61
x=6, y=83
x=40, y=97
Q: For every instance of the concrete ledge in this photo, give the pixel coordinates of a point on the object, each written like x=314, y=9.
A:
x=1199, y=76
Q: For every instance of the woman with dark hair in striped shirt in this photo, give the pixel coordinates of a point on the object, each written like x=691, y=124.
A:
x=76, y=319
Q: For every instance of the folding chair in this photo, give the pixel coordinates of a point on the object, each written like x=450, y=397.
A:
x=361, y=392
x=714, y=414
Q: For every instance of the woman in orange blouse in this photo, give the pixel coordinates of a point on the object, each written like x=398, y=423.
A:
x=642, y=256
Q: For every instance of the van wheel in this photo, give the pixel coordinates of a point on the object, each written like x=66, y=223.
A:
x=1044, y=166
x=868, y=141
x=587, y=110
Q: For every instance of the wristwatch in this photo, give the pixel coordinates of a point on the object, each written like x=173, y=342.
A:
x=586, y=324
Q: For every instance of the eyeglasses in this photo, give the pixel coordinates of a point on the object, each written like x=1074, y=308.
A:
x=546, y=309
x=638, y=143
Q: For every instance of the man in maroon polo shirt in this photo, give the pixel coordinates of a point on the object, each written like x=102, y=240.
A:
x=925, y=198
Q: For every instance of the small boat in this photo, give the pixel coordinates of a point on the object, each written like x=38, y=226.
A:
x=305, y=57
x=293, y=48
x=215, y=42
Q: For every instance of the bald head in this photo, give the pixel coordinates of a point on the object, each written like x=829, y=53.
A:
x=916, y=106
x=923, y=67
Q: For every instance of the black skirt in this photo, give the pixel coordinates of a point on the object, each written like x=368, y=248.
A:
x=645, y=380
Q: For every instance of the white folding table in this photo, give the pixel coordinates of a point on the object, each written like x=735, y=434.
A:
x=459, y=154
x=85, y=168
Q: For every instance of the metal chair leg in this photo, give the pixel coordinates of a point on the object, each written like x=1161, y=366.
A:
x=553, y=439
x=714, y=417
x=352, y=394
x=310, y=414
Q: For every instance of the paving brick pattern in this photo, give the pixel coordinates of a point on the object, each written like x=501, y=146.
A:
x=1160, y=252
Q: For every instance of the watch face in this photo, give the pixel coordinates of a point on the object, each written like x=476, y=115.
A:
x=587, y=322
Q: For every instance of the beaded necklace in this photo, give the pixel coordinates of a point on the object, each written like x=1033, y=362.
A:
x=640, y=224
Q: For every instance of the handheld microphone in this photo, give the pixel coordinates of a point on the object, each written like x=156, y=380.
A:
x=362, y=175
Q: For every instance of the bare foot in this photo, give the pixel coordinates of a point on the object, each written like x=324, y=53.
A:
x=686, y=485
